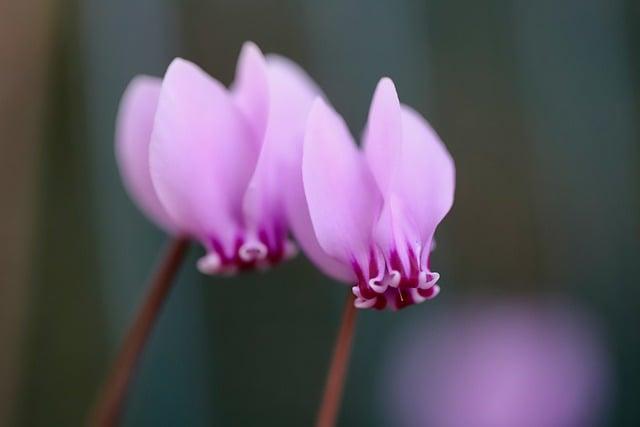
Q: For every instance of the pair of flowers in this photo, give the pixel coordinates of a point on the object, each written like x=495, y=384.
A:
x=239, y=169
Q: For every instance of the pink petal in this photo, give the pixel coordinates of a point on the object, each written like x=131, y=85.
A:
x=133, y=135
x=341, y=193
x=291, y=93
x=396, y=232
x=302, y=228
x=383, y=135
x=250, y=88
x=414, y=171
x=202, y=154
x=383, y=148
x=425, y=179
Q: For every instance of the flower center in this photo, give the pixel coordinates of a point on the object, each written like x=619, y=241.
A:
x=386, y=283
x=247, y=254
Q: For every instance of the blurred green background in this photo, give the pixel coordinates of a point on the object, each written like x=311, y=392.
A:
x=538, y=102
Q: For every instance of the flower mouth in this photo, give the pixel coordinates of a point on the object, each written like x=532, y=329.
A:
x=253, y=252
x=395, y=298
x=389, y=285
x=247, y=255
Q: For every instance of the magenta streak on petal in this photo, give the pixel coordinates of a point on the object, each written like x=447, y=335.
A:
x=381, y=303
x=413, y=263
x=365, y=291
x=396, y=264
x=219, y=250
x=276, y=250
x=373, y=265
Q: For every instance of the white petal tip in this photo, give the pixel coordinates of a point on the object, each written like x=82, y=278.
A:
x=253, y=251
x=436, y=291
x=428, y=279
x=210, y=264
x=394, y=277
x=364, y=303
x=379, y=284
x=417, y=298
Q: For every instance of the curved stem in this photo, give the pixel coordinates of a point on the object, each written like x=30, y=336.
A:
x=338, y=369
x=108, y=408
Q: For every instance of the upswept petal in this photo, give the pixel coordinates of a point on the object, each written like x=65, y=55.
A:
x=383, y=135
x=425, y=178
x=415, y=173
x=291, y=94
x=201, y=154
x=382, y=144
x=250, y=89
x=133, y=135
x=341, y=193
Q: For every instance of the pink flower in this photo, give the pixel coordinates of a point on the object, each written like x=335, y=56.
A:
x=203, y=160
x=368, y=217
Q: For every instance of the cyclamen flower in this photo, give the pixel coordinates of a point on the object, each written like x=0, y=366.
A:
x=203, y=160
x=368, y=217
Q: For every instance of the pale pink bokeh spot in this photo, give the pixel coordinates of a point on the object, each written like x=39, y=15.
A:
x=517, y=363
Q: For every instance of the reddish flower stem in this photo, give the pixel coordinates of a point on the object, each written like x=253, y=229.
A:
x=108, y=409
x=338, y=369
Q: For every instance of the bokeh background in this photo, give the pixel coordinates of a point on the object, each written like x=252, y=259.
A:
x=539, y=104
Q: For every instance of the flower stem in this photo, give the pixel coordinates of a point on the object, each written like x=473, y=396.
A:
x=107, y=410
x=338, y=370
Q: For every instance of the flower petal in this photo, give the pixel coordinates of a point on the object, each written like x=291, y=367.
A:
x=341, y=193
x=202, y=154
x=425, y=178
x=300, y=223
x=291, y=93
x=383, y=135
x=383, y=148
x=250, y=88
x=133, y=135
x=415, y=173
